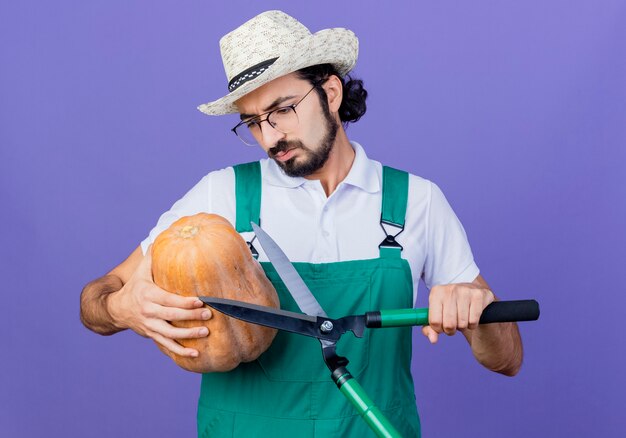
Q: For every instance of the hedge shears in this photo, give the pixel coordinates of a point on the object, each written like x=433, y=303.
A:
x=316, y=324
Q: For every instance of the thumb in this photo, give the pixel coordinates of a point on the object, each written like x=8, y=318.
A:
x=144, y=270
x=430, y=333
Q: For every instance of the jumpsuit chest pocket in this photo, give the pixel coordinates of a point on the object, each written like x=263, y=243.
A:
x=298, y=358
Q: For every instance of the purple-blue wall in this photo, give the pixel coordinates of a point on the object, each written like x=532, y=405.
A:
x=516, y=109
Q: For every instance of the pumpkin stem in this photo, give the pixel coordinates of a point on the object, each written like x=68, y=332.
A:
x=188, y=231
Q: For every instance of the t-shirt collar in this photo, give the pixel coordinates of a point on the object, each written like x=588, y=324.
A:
x=362, y=174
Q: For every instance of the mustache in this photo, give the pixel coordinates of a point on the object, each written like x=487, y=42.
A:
x=283, y=146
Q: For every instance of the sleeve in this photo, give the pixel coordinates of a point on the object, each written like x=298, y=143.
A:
x=449, y=258
x=214, y=193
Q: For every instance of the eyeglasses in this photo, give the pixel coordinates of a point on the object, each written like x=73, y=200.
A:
x=283, y=119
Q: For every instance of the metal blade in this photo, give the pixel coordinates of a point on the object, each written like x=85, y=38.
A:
x=270, y=317
x=288, y=274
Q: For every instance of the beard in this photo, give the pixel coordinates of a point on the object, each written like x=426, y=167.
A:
x=311, y=160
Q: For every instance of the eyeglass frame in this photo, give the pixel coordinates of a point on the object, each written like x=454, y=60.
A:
x=267, y=115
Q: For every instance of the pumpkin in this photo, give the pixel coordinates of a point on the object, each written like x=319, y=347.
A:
x=203, y=255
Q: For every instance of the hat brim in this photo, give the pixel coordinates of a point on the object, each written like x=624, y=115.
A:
x=339, y=47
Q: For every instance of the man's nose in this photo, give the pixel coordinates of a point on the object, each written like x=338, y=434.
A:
x=270, y=135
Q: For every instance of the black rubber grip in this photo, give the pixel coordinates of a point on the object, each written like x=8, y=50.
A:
x=373, y=320
x=340, y=376
x=510, y=311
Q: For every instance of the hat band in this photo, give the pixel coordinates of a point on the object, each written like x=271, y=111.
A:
x=249, y=74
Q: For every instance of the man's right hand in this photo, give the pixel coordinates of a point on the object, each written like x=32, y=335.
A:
x=145, y=308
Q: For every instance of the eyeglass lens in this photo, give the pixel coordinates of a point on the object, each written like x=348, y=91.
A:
x=282, y=119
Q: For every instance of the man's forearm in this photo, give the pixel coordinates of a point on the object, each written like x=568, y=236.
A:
x=94, y=312
x=497, y=347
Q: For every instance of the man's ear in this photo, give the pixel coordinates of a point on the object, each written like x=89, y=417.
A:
x=334, y=93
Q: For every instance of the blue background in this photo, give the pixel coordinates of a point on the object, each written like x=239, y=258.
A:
x=516, y=110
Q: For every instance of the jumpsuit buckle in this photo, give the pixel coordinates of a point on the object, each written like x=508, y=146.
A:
x=390, y=240
x=253, y=250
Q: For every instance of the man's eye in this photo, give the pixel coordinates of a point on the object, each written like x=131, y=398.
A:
x=283, y=110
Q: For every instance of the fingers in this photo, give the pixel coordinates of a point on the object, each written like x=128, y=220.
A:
x=154, y=293
x=159, y=303
x=431, y=334
x=443, y=310
x=463, y=301
x=455, y=307
x=144, y=270
x=475, y=310
x=169, y=299
x=167, y=330
x=435, y=310
x=479, y=302
x=450, y=312
x=166, y=335
x=166, y=313
x=175, y=347
x=147, y=309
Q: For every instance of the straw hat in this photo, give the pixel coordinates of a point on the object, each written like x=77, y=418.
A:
x=271, y=45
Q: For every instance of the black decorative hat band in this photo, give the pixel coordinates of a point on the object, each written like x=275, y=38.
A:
x=249, y=74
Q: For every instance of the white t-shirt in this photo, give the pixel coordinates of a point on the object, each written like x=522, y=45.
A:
x=313, y=228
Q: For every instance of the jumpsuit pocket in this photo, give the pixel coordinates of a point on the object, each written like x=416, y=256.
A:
x=297, y=358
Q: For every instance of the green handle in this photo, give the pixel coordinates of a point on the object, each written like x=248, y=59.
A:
x=373, y=416
x=402, y=317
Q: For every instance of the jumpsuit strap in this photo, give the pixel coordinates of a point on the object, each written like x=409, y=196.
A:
x=393, y=210
x=248, y=198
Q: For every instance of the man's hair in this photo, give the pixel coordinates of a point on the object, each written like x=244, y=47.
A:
x=353, y=104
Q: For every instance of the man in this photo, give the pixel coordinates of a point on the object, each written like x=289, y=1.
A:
x=320, y=197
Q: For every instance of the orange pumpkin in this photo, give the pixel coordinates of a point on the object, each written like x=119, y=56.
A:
x=203, y=255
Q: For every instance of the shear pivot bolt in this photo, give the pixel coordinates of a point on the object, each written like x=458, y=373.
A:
x=326, y=326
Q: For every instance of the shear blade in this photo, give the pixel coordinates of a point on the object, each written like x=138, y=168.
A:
x=269, y=317
x=301, y=294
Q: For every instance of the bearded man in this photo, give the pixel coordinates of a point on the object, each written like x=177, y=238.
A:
x=329, y=207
